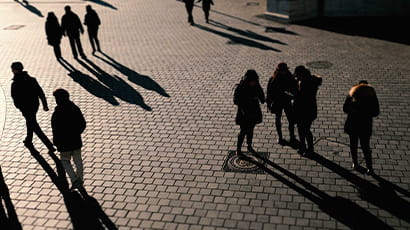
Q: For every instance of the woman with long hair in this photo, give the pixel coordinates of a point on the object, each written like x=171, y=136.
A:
x=54, y=33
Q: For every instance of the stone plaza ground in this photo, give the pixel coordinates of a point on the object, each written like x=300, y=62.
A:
x=160, y=117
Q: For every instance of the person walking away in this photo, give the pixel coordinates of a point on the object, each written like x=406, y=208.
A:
x=54, y=34
x=305, y=107
x=189, y=5
x=72, y=27
x=247, y=95
x=92, y=21
x=361, y=105
x=68, y=124
x=206, y=7
x=26, y=93
x=280, y=93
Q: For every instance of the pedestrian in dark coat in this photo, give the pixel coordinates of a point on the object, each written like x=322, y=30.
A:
x=361, y=106
x=68, y=124
x=189, y=5
x=72, y=27
x=281, y=90
x=92, y=21
x=206, y=7
x=26, y=93
x=305, y=106
x=54, y=33
x=248, y=94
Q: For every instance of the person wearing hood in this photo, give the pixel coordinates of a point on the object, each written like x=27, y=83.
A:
x=68, y=124
x=26, y=93
x=54, y=33
x=72, y=27
x=92, y=21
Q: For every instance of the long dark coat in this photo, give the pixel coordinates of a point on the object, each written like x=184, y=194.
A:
x=247, y=99
x=280, y=91
x=206, y=4
x=53, y=32
x=26, y=93
x=71, y=25
x=91, y=20
x=305, y=105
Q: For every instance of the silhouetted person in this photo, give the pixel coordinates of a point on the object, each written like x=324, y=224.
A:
x=305, y=106
x=54, y=33
x=26, y=93
x=206, y=7
x=248, y=94
x=189, y=5
x=68, y=124
x=92, y=21
x=361, y=106
x=280, y=93
x=72, y=27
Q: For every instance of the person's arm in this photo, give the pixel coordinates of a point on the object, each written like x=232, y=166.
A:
x=41, y=95
x=14, y=95
x=348, y=105
x=80, y=25
x=63, y=26
x=237, y=96
x=55, y=129
x=98, y=19
x=261, y=95
x=376, y=105
x=82, y=124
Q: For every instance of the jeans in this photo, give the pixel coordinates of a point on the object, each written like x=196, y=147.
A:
x=77, y=175
x=365, y=144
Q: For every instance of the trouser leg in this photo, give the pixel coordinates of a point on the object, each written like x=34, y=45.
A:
x=309, y=136
x=249, y=135
x=365, y=144
x=278, y=124
x=302, y=135
x=78, y=161
x=79, y=46
x=353, y=147
x=241, y=138
x=290, y=116
x=30, y=119
x=91, y=38
x=65, y=161
x=72, y=44
x=57, y=51
x=97, y=41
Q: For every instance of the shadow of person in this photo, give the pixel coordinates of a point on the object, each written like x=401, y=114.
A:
x=237, y=40
x=343, y=210
x=103, y=3
x=245, y=33
x=118, y=86
x=90, y=84
x=383, y=196
x=31, y=8
x=8, y=216
x=139, y=79
x=84, y=210
x=279, y=30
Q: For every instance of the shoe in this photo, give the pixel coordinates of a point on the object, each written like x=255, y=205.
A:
x=93, y=52
x=369, y=171
x=281, y=141
x=77, y=184
x=355, y=166
x=28, y=144
x=251, y=150
x=83, y=56
x=207, y=21
x=310, y=150
x=75, y=57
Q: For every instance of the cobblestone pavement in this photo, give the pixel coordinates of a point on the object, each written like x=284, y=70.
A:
x=161, y=121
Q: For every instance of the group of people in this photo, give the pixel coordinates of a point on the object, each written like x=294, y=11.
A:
x=206, y=7
x=295, y=94
x=67, y=121
x=72, y=27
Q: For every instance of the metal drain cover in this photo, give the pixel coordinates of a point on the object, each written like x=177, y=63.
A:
x=319, y=64
x=252, y=3
x=233, y=163
x=13, y=27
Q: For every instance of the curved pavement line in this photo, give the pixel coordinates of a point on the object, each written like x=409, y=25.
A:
x=3, y=109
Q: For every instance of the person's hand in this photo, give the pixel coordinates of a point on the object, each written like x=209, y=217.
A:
x=45, y=108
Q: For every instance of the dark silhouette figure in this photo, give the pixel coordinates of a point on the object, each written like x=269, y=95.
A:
x=139, y=79
x=206, y=7
x=26, y=93
x=248, y=94
x=305, y=106
x=103, y=3
x=68, y=124
x=30, y=8
x=282, y=87
x=54, y=33
x=189, y=5
x=8, y=216
x=72, y=27
x=361, y=105
x=92, y=21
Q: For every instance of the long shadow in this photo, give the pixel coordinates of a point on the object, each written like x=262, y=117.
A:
x=103, y=3
x=8, y=216
x=139, y=79
x=118, y=86
x=31, y=8
x=90, y=84
x=237, y=40
x=246, y=33
x=85, y=211
x=383, y=196
x=339, y=208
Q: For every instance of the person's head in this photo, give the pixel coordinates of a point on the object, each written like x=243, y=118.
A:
x=363, y=82
x=88, y=8
x=67, y=9
x=251, y=78
x=301, y=71
x=51, y=16
x=282, y=67
x=17, y=67
x=61, y=96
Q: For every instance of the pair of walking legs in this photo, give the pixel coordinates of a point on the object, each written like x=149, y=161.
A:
x=93, y=36
x=76, y=176
x=206, y=12
x=246, y=130
x=305, y=135
x=75, y=44
x=34, y=127
x=189, y=7
x=278, y=122
x=365, y=144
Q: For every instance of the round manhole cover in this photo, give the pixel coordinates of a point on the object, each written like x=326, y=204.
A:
x=319, y=64
x=235, y=164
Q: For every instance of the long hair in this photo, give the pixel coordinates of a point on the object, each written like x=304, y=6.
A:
x=250, y=75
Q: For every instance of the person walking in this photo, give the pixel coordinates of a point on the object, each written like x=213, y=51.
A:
x=72, y=27
x=361, y=105
x=305, y=107
x=54, y=33
x=247, y=95
x=280, y=93
x=68, y=124
x=92, y=21
x=206, y=7
x=189, y=5
x=26, y=93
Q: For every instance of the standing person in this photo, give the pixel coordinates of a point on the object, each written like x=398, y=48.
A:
x=68, y=124
x=305, y=107
x=361, y=105
x=92, y=21
x=248, y=94
x=26, y=93
x=54, y=33
x=281, y=90
x=189, y=5
x=206, y=7
x=72, y=27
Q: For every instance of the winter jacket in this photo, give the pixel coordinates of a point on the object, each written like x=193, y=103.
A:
x=305, y=105
x=247, y=99
x=71, y=25
x=53, y=32
x=92, y=20
x=26, y=93
x=280, y=91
